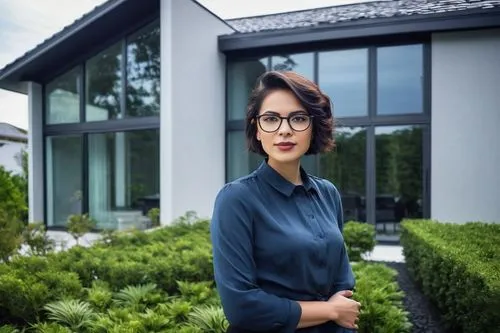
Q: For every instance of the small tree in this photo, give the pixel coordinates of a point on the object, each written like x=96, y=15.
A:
x=12, y=200
x=79, y=225
x=36, y=238
x=10, y=235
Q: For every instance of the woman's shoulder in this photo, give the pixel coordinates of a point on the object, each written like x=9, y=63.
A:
x=237, y=190
x=325, y=185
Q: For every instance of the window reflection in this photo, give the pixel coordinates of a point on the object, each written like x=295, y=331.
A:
x=343, y=75
x=400, y=79
x=63, y=98
x=345, y=168
x=302, y=63
x=398, y=175
x=242, y=77
x=63, y=178
x=121, y=184
x=103, y=85
x=143, y=72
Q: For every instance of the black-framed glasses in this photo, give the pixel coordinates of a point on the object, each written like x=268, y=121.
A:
x=298, y=122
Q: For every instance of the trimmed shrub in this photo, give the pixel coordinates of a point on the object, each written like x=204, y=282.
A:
x=359, y=238
x=457, y=266
x=159, y=281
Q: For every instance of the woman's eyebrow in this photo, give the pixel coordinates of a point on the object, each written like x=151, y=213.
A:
x=278, y=114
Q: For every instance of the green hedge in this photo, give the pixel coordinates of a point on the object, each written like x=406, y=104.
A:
x=458, y=268
x=160, y=281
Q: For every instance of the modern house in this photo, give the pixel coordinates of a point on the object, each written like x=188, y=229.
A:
x=13, y=141
x=141, y=103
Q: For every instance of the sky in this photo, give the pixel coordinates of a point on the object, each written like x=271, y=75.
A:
x=26, y=23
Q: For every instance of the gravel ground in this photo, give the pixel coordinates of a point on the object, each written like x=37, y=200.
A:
x=423, y=315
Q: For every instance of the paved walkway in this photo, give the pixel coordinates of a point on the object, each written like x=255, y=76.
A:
x=392, y=253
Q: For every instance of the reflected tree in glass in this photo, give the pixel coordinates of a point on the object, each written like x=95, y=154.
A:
x=345, y=168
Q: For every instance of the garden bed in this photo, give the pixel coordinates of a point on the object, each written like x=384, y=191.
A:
x=160, y=281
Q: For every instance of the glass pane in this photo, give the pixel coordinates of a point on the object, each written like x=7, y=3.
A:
x=400, y=78
x=64, y=178
x=62, y=98
x=343, y=76
x=103, y=85
x=124, y=177
x=309, y=163
x=398, y=176
x=345, y=167
x=240, y=160
x=143, y=72
x=301, y=63
x=242, y=77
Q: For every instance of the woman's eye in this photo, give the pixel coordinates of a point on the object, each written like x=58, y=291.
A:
x=270, y=119
x=299, y=119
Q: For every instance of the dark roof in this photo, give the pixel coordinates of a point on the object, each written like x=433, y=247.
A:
x=102, y=22
x=353, y=12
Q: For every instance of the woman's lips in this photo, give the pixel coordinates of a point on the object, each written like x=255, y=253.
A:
x=285, y=146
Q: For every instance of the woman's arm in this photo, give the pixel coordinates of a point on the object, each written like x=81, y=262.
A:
x=245, y=304
x=339, y=308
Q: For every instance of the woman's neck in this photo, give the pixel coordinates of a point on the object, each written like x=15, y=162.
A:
x=289, y=171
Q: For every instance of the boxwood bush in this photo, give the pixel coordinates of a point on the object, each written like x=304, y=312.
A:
x=458, y=267
x=159, y=281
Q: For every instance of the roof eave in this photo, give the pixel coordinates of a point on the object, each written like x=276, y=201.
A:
x=452, y=21
x=17, y=87
x=94, y=28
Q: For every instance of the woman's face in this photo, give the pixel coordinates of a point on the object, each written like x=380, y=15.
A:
x=284, y=144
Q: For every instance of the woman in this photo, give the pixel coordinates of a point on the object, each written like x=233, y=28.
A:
x=280, y=263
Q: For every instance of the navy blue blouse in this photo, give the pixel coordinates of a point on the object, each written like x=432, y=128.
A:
x=276, y=243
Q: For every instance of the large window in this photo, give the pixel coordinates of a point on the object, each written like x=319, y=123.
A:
x=123, y=171
x=106, y=165
x=63, y=178
x=104, y=85
x=381, y=159
x=62, y=101
x=400, y=79
x=302, y=63
x=143, y=72
x=241, y=79
x=399, y=175
x=346, y=168
x=343, y=75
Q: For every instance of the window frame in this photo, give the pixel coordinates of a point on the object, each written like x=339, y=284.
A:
x=372, y=119
x=85, y=128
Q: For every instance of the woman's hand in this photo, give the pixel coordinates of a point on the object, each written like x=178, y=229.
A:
x=346, y=310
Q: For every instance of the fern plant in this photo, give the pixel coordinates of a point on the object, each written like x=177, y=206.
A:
x=210, y=319
x=49, y=328
x=134, y=296
x=75, y=314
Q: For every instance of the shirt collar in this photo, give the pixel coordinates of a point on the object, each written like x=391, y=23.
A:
x=273, y=178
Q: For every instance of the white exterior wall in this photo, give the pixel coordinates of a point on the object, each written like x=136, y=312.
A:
x=35, y=153
x=10, y=155
x=466, y=126
x=192, y=126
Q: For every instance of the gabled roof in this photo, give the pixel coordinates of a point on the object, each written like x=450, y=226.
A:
x=355, y=11
x=13, y=133
x=103, y=22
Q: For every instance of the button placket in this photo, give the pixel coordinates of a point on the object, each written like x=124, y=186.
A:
x=319, y=232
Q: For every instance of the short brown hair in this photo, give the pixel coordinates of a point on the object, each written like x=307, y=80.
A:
x=309, y=95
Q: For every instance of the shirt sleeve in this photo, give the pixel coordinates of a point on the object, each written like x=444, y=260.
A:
x=245, y=305
x=346, y=279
